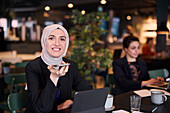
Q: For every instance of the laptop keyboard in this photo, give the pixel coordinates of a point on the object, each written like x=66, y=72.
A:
x=163, y=84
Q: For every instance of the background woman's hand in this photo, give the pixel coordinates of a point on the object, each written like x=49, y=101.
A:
x=153, y=81
x=150, y=82
x=56, y=73
x=65, y=105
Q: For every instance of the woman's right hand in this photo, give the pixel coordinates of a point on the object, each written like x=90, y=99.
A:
x=56, y=73
x=150, y=82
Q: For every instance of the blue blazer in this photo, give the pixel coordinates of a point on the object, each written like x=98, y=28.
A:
x=123, y=77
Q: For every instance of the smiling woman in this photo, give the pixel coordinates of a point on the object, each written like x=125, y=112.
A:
x=49, y=88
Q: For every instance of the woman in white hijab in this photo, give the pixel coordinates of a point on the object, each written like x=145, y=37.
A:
x=50, y=87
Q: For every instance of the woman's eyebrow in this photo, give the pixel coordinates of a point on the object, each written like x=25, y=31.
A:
x=51, y=35
x=62, y=36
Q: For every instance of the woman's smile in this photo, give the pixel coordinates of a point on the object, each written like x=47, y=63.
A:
x=56, y=49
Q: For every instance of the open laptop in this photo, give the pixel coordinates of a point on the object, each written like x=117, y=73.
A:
x=91, y=101
x=163, y=85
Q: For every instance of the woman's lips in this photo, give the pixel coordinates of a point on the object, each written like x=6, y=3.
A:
x=136, y=54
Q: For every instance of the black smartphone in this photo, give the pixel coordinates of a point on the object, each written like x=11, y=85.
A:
x=59, y=66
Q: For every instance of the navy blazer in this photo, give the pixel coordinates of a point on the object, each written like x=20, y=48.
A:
x=41, y=90
x=123, y=77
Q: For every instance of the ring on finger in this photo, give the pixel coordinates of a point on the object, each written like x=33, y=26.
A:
x=57, y=72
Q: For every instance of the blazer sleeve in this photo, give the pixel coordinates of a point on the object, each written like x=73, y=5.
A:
x=79, y=83
x=123, y=78
x=41, y=98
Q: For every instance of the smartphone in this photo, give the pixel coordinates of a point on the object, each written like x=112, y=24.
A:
x=59, y=66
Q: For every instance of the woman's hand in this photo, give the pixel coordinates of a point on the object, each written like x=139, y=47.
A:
x=56, y=73
x=150, y=82
x=65, y=105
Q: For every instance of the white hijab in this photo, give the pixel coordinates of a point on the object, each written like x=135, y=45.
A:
x=46, y=57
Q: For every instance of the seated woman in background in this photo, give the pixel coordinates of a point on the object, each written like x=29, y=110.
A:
x=130, y=73
x=49, y=88
x=148, y=48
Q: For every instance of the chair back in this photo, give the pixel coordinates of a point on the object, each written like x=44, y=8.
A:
x=158, y=73
x=13, y=79
x=22, y=64
x=17, y=101
x=110, y=80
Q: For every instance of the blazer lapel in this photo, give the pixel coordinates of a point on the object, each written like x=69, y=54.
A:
x=127, y=67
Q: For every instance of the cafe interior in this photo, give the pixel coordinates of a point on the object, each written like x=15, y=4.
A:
x=96, y=31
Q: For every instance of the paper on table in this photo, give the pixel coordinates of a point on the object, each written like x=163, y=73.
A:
x=123, y=111
x=146, y=92
x=120, y=111
x=143, y=93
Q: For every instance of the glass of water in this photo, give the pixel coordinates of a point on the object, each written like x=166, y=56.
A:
x=135, y=102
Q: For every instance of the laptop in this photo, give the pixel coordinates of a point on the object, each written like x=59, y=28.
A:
x=91, y=101
x=163, y=85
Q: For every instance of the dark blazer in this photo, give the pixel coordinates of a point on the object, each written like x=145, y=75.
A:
x=123, y=77
x=41, y=90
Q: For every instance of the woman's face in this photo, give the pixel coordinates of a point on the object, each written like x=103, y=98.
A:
x=133, y=49
x=56, y=43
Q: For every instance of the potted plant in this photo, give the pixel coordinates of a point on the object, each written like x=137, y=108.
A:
x=84, y=51
x=6, y=67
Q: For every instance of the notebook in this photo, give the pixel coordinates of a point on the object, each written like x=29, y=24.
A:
x=163, y=85
x=91, y=101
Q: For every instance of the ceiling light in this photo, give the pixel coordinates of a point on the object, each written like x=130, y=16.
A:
x=70, y=5
x=83, y=12
x=47, y=8
x=103, y=1
x=129, y=17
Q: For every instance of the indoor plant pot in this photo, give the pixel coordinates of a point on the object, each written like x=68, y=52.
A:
x=6, y=70
x=6, y=67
